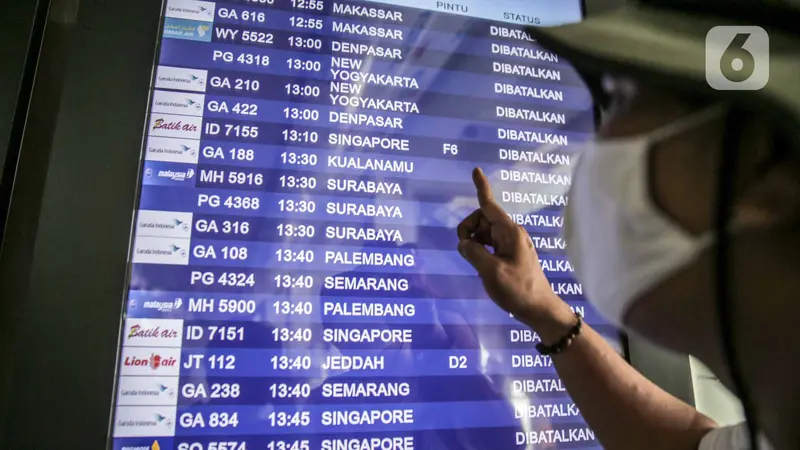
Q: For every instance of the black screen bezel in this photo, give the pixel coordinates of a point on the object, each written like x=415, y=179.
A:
x=64, y=266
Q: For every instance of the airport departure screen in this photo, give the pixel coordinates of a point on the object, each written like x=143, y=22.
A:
x=294, y=282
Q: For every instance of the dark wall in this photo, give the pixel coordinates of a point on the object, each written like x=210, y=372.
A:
x=16, y=21
x=598, y=6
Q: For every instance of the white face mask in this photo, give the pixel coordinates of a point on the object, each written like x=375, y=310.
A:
x=619, y=242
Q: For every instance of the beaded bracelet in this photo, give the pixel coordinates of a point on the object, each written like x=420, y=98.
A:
x=564, y=342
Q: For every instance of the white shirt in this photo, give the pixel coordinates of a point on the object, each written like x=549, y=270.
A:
x=734, y=437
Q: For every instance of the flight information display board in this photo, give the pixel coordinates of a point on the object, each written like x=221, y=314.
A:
x=294, y=280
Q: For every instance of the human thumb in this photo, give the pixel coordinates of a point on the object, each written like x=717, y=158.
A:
x=475, y=254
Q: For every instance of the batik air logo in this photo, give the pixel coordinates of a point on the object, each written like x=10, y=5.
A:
x=166, y=124
x=174, y=126
x=153, y=332
x=139, y=332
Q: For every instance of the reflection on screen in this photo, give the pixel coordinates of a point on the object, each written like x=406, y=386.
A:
x=294, y=281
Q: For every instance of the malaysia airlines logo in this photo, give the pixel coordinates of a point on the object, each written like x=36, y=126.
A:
x=176, y=176
x=162, y=173
x=163, y=306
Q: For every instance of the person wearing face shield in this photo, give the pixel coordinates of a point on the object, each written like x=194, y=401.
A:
x=683, y=224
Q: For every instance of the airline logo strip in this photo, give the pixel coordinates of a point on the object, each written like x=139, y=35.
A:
x=173, y=138
x=147, y=392
x=189, y=19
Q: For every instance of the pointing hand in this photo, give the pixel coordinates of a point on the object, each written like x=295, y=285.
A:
x=511, y=274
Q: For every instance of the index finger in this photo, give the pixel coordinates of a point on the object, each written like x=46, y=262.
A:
x=491, y=210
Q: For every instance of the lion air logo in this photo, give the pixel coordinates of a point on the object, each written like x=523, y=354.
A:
x=154, y=361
